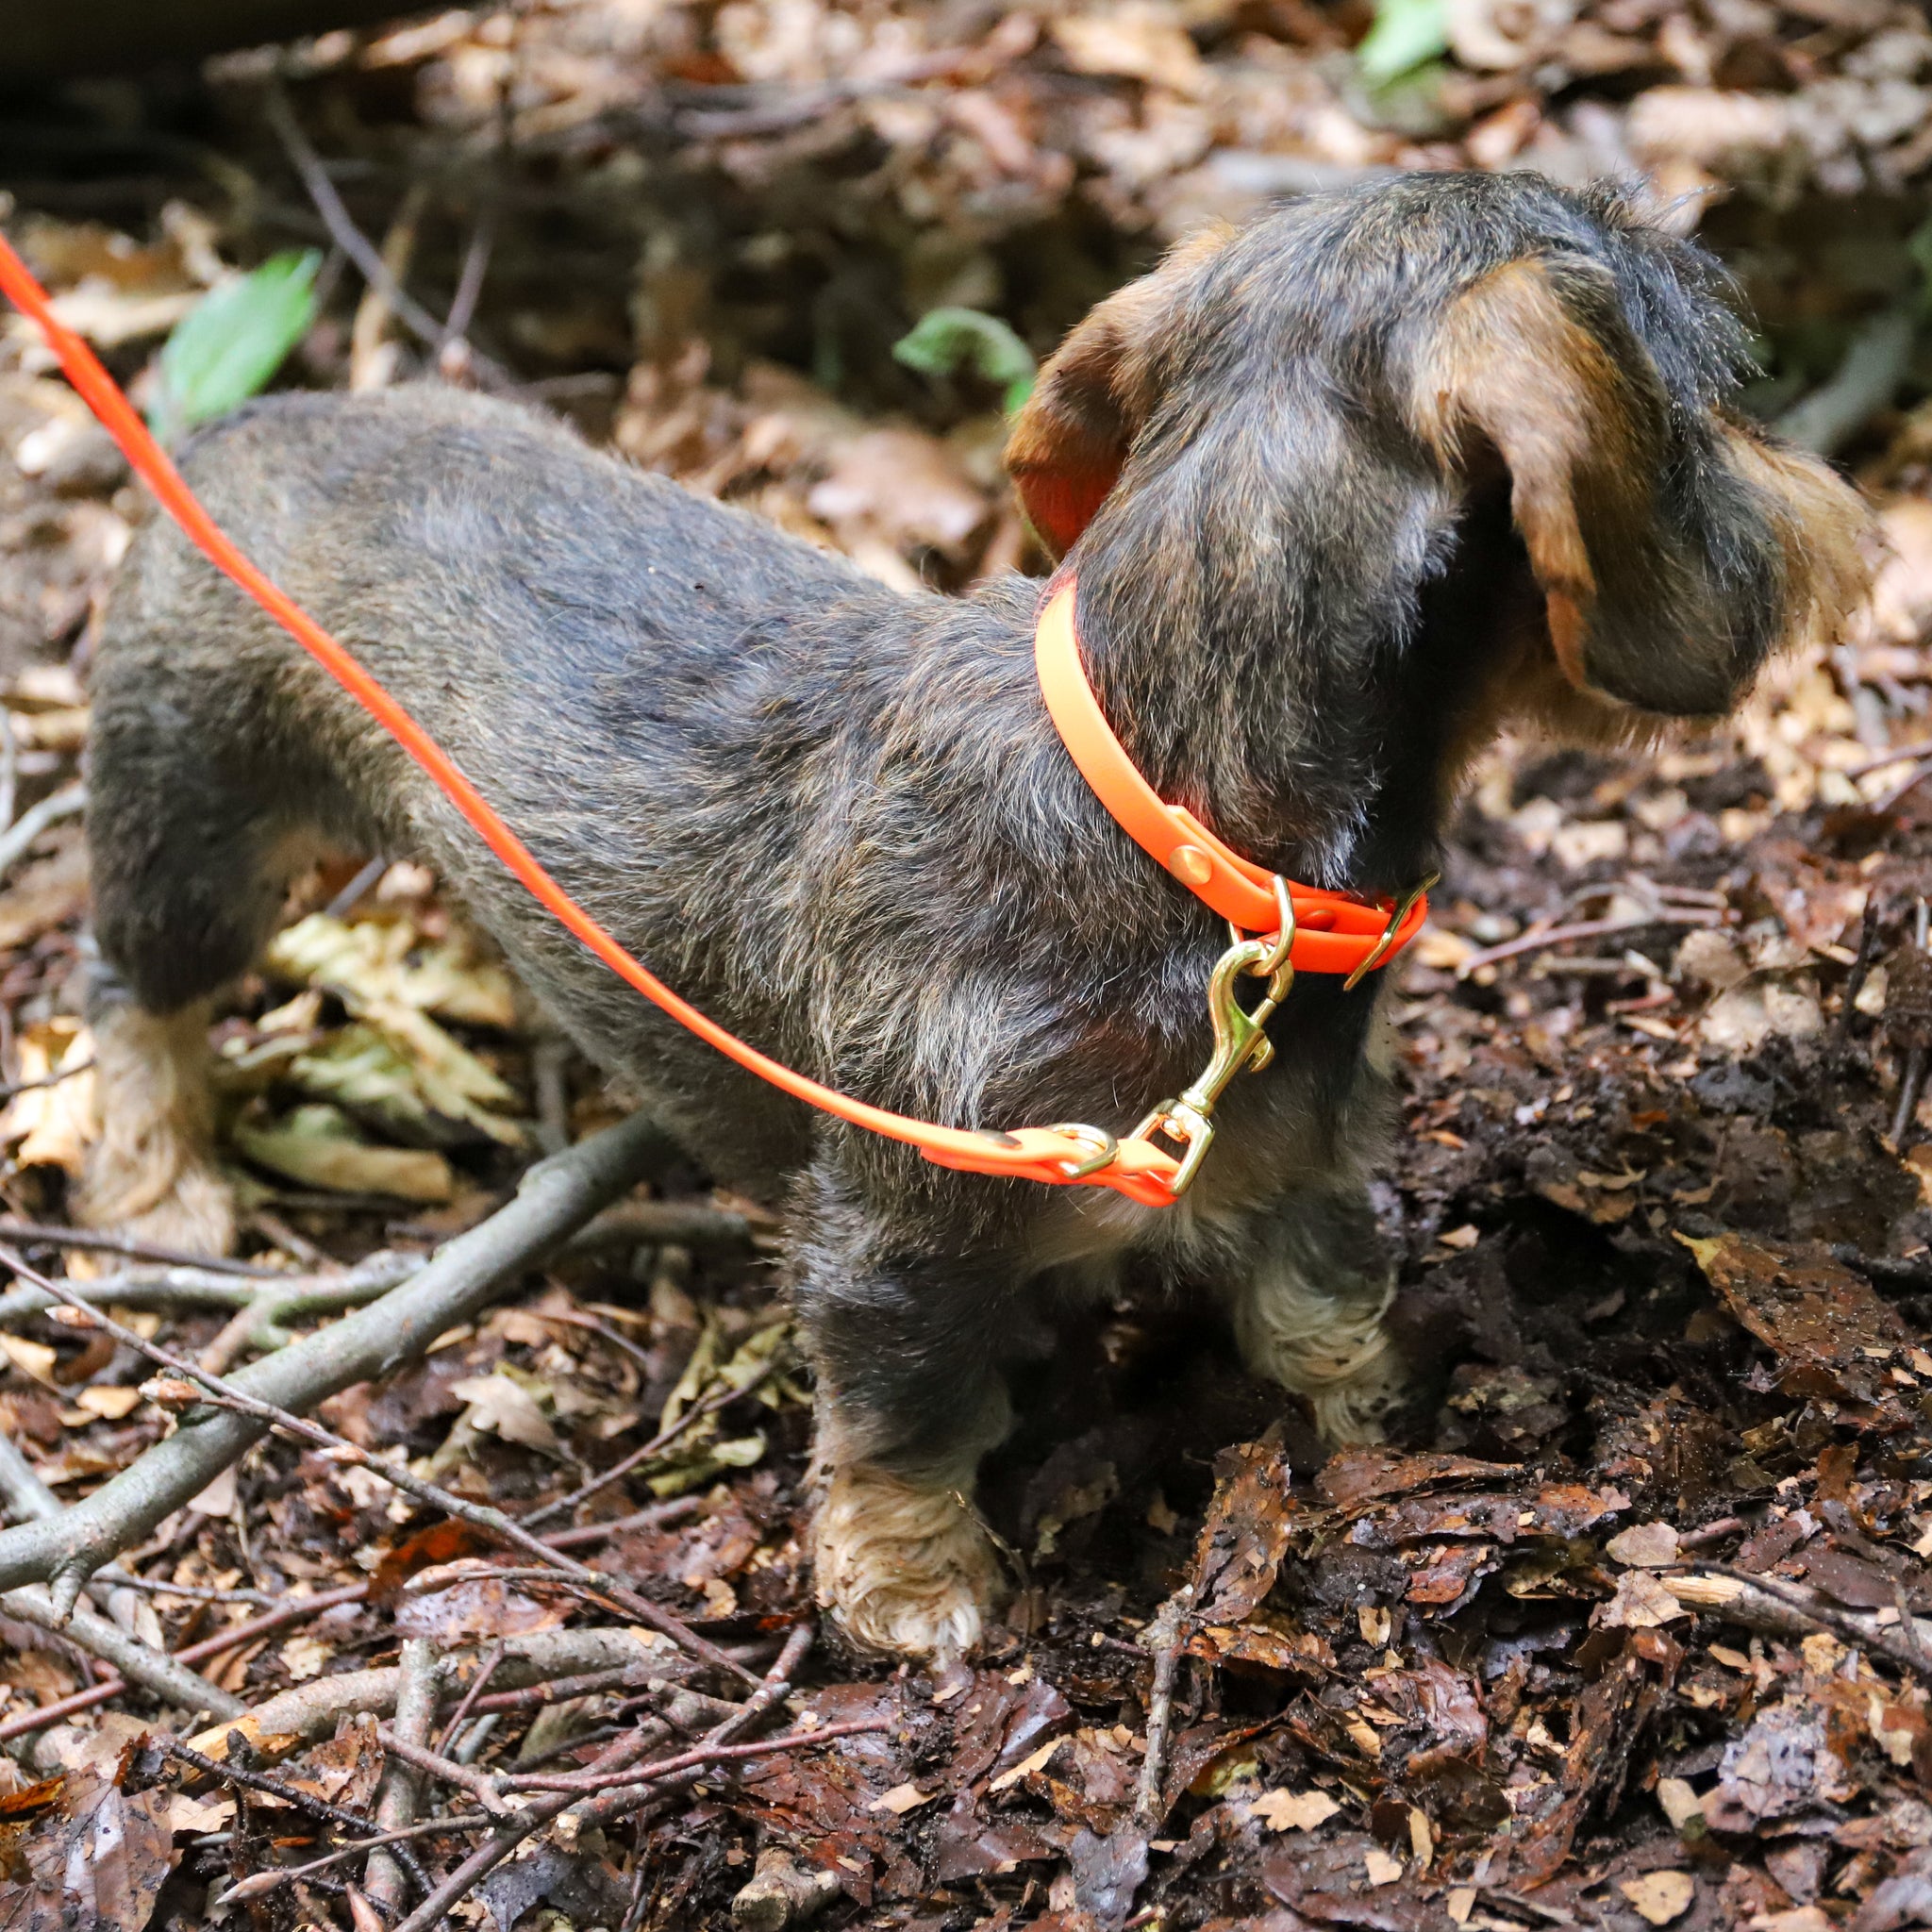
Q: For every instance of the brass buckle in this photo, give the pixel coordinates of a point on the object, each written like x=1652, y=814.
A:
x=1382, y=947
x=1241, y=1045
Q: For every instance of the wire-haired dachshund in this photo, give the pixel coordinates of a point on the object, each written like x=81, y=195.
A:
x=1347, y=488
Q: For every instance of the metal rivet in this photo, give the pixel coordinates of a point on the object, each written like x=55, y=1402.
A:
x=1191, y=864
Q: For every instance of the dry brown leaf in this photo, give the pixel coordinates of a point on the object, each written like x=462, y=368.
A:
x=1658, y=1897
x=1293, y=1811
x=1641, y=1603
x=501, y=1405
x=902, y=1799
x=1645, y=1546
x=314, y=1145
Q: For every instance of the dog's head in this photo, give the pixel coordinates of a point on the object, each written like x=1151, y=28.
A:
x=1327, y=398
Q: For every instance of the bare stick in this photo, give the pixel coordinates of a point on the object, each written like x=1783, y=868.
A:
x=155, y=1671
x=479, y=1785
x=1163, y=1639
x=260, y=1884
x=487, y=1856
x=556, y=1197
x=1587, y=929
x=453, y=352
x=288, y=1794
x=1785, y=1610
x=647, y=1223
x=354, y=242
x=86, y=1066
x=696, y=1759
x=656, y=1446
x=481, y=1515
x=98, y=1242
x=295, y=1611
x=396, y=1802
x=598, y=1811
x=21, y=1485
x=478, y=1685
x=64, y=803
x=266, y=1302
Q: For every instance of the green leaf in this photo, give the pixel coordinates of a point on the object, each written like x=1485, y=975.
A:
x=229, y=345
x=946, y=340
x=1407, y=33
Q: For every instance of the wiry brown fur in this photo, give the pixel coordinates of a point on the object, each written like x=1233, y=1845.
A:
x=839, y=821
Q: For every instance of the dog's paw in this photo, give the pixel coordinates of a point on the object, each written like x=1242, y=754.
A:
x=903, y=1570
x=194, y=1210
x=1338, y=1359
x=1353, y=1407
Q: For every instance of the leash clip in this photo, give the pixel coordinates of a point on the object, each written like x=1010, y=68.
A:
x=1386, y=945
x=1240, y=1044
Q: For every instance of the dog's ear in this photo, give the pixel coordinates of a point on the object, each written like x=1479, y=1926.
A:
x=1674, y=550
x=1093, y=395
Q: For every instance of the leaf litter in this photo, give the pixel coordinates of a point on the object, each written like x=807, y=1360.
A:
x=1622, y=1631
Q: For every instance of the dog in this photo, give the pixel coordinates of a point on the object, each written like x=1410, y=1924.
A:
x=1345, y=491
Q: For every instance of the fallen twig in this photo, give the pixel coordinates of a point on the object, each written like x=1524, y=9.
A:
x=264, y=1300
x=296, y=1611
x=154, y=1670
x=287, y=1795
x=86, y=1066
x=1163, y=1640
x=1787, y=1609
x=98, y=1242
x=557, y=1196
x=295, y=1717
x=396, y=1798
x=480, y=1786
x=65, y=803
x=695, y=1759
x=478, y=1685
x=656, y=1446
x=1588, y=929
x=487, y=1856
x=260, y=1884
x=483, y=1516
x=593, y=1813
x=358, y=247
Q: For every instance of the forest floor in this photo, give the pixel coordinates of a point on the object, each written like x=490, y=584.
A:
x=1626, y=1627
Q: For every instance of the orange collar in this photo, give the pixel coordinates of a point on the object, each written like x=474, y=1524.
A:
x=1334, y=932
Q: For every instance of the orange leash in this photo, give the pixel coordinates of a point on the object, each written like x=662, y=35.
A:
x=1056, y=1155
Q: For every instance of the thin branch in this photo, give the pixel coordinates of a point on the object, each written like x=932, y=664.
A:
x=1769, y=1603
x=479, y=1785
x=556, y=1197
x=395, y=1799
x=487, y=1856
x=354, y=243
x=98, y=1242
x=1163, y=1640
x=296, y=1611
x=696, y=1759
x=65, y=803
x=656, y=1446
x=288, y=1794
x=591, y=1813
x=260, y=1884
x=227, y=1394
x=86, y=1066
x=266, y=1300
x=479, y=1684
x=153, y=1669
x=1585, y=929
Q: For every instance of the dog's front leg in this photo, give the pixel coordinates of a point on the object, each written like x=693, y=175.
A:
x=907, y=1343
x=1307, y=1309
